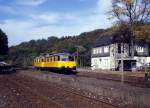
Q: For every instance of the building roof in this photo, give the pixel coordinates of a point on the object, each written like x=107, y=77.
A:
x=107, y=40
x=104, y=40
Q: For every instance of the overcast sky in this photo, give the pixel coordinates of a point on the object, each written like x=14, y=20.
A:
x=23, y=20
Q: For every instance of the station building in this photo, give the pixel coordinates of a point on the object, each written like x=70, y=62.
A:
x=107, y=54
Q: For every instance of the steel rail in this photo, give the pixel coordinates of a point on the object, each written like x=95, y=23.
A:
x=78, y=94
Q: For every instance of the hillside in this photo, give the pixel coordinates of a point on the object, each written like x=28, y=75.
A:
x=26, y=51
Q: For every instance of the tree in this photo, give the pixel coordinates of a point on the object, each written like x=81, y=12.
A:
x=3, y=43
x=143, y=32
x=132, y=13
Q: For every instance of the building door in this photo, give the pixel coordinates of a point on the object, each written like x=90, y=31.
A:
x=129, y=65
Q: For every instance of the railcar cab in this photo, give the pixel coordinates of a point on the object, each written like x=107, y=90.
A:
x=66, y=61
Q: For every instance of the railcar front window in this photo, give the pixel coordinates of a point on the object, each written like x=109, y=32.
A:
x=71, y=58
x=64, y=58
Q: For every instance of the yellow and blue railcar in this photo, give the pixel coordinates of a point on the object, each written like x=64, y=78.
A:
x=61, y=61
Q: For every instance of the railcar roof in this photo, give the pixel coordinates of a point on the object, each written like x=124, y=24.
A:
x=54, y=54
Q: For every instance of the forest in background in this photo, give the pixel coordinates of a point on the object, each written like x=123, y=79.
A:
x=132, y=23
x=24, y=53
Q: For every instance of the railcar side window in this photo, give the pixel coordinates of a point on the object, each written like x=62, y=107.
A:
x=52, y=59
x=47, y=60
x=56, y=58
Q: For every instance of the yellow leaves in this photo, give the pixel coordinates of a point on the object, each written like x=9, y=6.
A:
x=142, y=32
x=117, y=10
x=129, y=2
x=113, y=30
x=139, y=32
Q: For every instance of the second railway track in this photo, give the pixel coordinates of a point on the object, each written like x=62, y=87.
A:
x=134, y=81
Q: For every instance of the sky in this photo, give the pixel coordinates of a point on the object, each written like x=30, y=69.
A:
x=24, y=20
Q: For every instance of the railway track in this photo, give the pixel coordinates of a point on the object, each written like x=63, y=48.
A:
x=134, y=81
x=67, y=93
x=33, y=93
x=138, y=82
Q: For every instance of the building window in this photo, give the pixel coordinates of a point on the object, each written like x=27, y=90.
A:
x=119, y=48
x=100, y=59
x=100, y=50
x=106, y=49
x=95, y=61
x=94, y=51
x=137, y=49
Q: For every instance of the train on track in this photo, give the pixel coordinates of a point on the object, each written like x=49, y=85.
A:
x=57, y=61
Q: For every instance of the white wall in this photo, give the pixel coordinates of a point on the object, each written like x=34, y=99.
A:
x=101, y=63
x=141, y=61
x=104, y=62
x=148, y=60
x=109, y=62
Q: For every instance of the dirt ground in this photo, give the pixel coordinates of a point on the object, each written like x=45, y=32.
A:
x=19, y=91
x=42, y=89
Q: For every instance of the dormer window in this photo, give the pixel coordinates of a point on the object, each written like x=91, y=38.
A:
x=139, y=49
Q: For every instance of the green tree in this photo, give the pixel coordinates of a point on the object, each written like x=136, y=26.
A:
x=3, y=43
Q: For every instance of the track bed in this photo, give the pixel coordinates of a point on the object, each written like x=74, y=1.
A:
x=17, y=91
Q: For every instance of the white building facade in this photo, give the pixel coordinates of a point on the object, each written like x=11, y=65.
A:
x=107, y=55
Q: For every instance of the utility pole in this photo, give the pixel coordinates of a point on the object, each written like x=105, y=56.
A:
x=122, y=64
x=77, y=57
x=79, y=49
